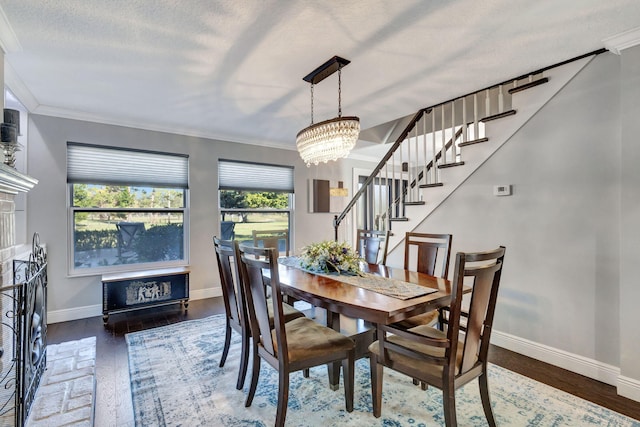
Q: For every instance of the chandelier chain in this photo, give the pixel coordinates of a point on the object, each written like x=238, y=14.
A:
x=311, y=103
x=340, y=92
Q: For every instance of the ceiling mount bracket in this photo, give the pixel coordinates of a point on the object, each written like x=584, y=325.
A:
x=326, y=69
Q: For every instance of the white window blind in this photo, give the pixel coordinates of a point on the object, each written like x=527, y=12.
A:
x=236, y=175
x=93, y=164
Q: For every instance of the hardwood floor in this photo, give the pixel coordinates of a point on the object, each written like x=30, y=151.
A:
x=113, y=395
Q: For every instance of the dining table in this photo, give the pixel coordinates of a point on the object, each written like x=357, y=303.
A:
x=339, y=298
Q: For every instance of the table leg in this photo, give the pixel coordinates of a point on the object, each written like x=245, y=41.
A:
x=333, y=322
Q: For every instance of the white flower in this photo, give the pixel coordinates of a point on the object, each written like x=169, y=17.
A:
x=330, y=256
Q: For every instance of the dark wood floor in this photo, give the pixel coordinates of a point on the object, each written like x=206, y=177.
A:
x=113, y=395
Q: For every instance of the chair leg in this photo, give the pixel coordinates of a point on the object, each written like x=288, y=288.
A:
x=422, y=384
x=254, y=379
x=283, y=397
x=376, y=385
x=449, y=404
x=486, y=401
x=244, y=361
x=305, y=372
x=348, y=373
x=227, y=344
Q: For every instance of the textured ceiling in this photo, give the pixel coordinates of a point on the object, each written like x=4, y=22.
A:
x=232, y=69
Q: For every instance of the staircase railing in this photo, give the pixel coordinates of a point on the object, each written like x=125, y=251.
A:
x=431, y=141
x=338, y=218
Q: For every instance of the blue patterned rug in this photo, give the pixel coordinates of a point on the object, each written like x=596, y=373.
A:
x=176, y=381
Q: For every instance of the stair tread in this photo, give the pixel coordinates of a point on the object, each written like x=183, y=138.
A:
x=450, y=165
x=416, y=203
x=400, y=218
x=498, y=116
x=435, y=184
x=529, y=85
x=475, y=141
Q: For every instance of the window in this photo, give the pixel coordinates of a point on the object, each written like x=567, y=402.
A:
x=128, y=208
x=254, y=197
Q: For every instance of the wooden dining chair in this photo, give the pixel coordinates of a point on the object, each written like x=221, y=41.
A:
x=292, y=346
x=235, y=305
x=446, y=360
x=429, y=254
x=272, y=239
x=373, y=245
x=128, y=232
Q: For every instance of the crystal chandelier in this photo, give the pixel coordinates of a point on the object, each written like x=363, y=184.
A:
x=330, y=139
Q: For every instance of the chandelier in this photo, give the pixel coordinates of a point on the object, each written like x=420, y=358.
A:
x=330, y=139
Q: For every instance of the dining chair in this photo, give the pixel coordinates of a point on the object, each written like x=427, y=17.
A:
x=446, y=359
x=429, y=254
x=290, y=346
x=373, y=245
x=128, y=232
x=272, y=239
x=235, y=305
x=227, y=230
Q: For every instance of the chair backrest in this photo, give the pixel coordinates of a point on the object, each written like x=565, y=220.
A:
x=481, y=270
x=372, y=245
x=278, y=239
x=254, y=261
x=232, y=291
x=128, y=231
x=227, y=230
x=428, y=253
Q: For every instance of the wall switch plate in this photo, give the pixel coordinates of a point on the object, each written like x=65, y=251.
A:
x=502, y=190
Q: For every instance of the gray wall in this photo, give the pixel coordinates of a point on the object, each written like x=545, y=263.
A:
x=72, y=297
x=629, y=318
x=562, y=284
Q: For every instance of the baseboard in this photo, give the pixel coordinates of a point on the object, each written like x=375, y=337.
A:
x=629, y=388
x=66, y=315
x=205, y=293
x=572, y=362
x=625, y=386
x=75, y=313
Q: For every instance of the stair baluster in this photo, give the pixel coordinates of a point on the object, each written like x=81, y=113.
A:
x=433, y=144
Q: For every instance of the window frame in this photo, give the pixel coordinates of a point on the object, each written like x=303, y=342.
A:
x=290, y=211
x=72, y=210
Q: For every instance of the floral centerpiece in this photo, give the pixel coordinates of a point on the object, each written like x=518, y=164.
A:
x=329, y=256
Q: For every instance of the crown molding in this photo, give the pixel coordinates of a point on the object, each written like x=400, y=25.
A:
x=62, y=113
x=19, y=89
x=8, y=39
x=624, y=40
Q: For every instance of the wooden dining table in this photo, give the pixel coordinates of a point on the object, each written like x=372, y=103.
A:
x=339, y=298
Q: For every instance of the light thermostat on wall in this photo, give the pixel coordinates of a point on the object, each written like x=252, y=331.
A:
x=502, y=190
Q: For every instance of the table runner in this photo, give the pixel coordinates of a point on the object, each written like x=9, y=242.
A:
x=382, y=285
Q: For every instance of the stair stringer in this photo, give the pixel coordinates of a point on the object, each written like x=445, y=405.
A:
x=526, y=103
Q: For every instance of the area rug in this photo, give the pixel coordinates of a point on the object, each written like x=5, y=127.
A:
x=176, y=381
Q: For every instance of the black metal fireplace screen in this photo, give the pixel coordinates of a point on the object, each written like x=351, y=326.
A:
x=24, y=335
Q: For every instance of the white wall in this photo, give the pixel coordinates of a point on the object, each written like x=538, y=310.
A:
x=77, y=297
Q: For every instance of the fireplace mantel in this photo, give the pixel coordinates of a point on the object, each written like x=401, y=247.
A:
x=13, y=182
